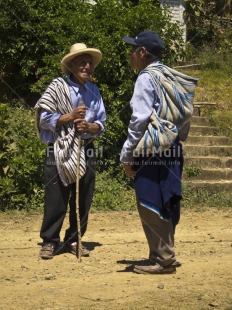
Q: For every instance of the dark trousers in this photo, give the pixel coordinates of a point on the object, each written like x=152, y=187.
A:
x=58, y=197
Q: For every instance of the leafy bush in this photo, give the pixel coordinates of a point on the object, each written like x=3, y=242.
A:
x=36, y=35
x=21, y=159
x=205, y=24
x=112, y=194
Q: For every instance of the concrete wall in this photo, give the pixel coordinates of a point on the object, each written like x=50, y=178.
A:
x=177, y=8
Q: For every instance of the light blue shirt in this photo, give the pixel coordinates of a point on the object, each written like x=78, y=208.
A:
x=144, y=100
x=90, y=95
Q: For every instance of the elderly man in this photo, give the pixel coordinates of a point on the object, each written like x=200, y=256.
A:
x=70, y=107
x=152, y=154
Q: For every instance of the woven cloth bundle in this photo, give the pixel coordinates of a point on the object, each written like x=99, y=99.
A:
x=176, y=93
x=56, y=99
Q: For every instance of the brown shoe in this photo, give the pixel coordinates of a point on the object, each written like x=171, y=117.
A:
x=176, y=263
x=47, y=251
x=155, y=269
x=72, y=248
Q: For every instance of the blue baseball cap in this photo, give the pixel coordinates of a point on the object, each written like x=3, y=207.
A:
x=148, y=39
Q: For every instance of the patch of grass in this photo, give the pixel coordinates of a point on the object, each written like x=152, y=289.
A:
x=214, y=86
x=215, y=79
x=214, y=71
x=200, y=199
x=112, y=195
x=191, y=171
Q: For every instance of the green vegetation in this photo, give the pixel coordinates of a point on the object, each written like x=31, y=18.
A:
x=215, y=86
x=206, y=21
x=21, y=159
x=35, y=35
x=112, y=194
x=215, y=72
x=191, y=171
x=199, y=199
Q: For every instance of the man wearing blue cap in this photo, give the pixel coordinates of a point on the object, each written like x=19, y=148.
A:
x=152, y=153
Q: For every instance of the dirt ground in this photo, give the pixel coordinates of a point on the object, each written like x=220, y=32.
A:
x=105, y=280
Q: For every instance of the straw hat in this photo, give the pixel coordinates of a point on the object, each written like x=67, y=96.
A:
x=79, y=49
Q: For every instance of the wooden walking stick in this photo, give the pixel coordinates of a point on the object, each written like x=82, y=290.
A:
x=79, y=244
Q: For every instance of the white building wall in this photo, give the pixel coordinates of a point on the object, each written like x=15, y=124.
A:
x=177, y=8
x=91, y=1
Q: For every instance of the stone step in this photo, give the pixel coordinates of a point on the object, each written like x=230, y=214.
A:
x=208, y=174
x=199, y=106
x=208, y=161
x=196, y=112
x=203, y=130
x=200, y=121
x=208, y=156
x=196, y=150
x=211, y=186
x=207, y=140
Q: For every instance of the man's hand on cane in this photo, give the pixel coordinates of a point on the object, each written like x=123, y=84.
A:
x=76, y=114
x=79, y=112
x=81, y=125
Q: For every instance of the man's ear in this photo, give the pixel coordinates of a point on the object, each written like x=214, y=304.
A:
x=142, y=51
x=70, y=66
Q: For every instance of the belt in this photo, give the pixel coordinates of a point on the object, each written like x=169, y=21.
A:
x=86, y=141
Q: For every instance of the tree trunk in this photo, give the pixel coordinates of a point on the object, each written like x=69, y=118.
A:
x=228, y=8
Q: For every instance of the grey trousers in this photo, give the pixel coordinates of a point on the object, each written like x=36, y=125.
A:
x=160, y=236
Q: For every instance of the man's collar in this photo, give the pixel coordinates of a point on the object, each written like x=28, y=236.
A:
x=74, y=84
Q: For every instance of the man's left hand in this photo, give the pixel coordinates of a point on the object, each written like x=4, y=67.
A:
x=129, y=170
